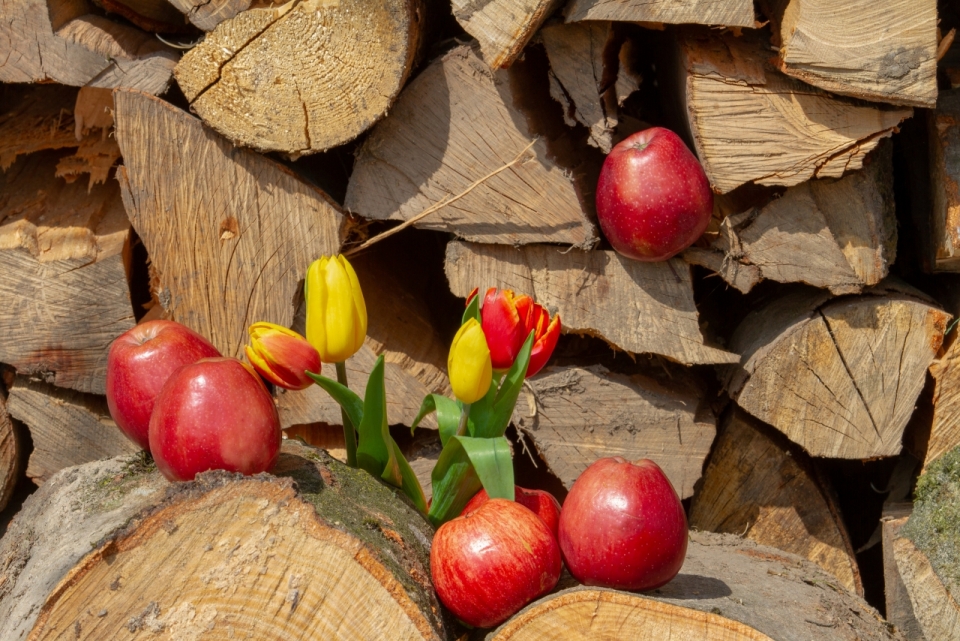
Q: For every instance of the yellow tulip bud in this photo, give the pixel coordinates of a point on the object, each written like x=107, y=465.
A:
x=336, y=313
x=468, y=364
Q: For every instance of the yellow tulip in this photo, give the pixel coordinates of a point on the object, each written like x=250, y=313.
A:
x=468, y=364
x=336, y=313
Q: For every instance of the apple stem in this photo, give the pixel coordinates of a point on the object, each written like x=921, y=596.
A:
x=462, y=427
x=349, y=432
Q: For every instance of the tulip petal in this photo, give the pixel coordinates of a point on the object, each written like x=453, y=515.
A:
x=503, y=327
x=316, y=302
x=468, y=364
x=544, y=344
x=360, y=306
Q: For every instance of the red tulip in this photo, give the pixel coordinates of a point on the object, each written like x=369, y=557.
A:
x=507, y=321
x=282, y=356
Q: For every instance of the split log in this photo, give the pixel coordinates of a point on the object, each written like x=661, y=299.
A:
x=838, y=377
x=758, y=486
x=250, y=226
x=928, y=549
x=786, y=132
x=885, y=52
x=899, y=610
x=575, y=415
x=150, y=15
x=317, y=551
x=67, y=427
x=10, y=455
x=64, y=258
x=65, y=43
x=729, y=13
x=502, y=27
x=727, y=589
x=584, y=66
x=36, y=118
x=207, y=14
x=303, y=77
x=423, y=154
x=634, y=306
x=835, y=233
x=944, y=141
x=945, y=428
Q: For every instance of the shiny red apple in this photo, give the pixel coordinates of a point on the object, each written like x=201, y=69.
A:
x=139, y=363
x=653, y=197
x=215, y=414
x=541, y=503
x=622, y=526
x=489, y=563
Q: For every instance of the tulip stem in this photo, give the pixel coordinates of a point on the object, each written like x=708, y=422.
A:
x=349, y=431
x=462, y=427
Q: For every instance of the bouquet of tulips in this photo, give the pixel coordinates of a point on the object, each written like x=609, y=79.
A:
x=499, y=344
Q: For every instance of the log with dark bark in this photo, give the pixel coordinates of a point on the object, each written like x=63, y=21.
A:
x=884, y=52
x=575, y=415
x=839, y=377
x=317, y=551
x=302, y=77
x=760, y=487
x=840, y=234
x=10, y=455
x=65, y=289
x=251, y=226
x=456, y=123
x=638, y=307
x=66, y=427
x=502, y=27
x=787, y=132
x=727, y=589
x=730, y=13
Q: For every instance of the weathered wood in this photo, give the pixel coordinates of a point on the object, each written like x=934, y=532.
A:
x=885, y=52
x=93, y=110
x=945, y=428
x=584, y=59
x=728, y=589
x=637, y=307
x=302, y=77
x=65, y=291
x=229, y=233
x=10, y=455
x=149, y=15
x=317, y=551
x=729, y=13
x=786, y=131
x=575, y=415
x=454, y=124
x=67, y=427
x=502, y=27
x=927, y=551
x=839, y=377
x=65, y=43
x=835, y=233
x=36, y=118
x=762, y=489
x=207, y=14
x=944, y=142
x=899, y=610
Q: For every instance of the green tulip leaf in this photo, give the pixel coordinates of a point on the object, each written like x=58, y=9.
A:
x=465, y=465
x=343, y=395
x=373, y=453
x=448, y=415
x=409, y=482
x=472, y=310
x=490, y=416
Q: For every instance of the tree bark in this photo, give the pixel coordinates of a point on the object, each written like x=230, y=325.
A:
x=502, y=27
x=575, y=415
x=759, y=487
x=230, y=233
x=634, y=306
x=787, y=132
x=67, y=427
x=731, y=13
x=899, y=610
x=838, y=377
x=423, y=154
x=840, y=234
x=728, y=588
x=944, y=141
x=303, y=77
x=880, y=52
x=10, y=455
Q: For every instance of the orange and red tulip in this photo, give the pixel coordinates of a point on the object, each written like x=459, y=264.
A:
x=508, y=319
x=282, y=356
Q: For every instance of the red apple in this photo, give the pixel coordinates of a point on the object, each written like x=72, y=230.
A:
x=489, y=563
x=215, y=414
x=541, y=503
x=653, y=199
x=139, y=362
x=622, y=526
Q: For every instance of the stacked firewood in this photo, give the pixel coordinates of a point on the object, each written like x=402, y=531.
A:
x=188, y=160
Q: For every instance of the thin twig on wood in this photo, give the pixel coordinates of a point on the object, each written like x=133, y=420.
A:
x=438, y=206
